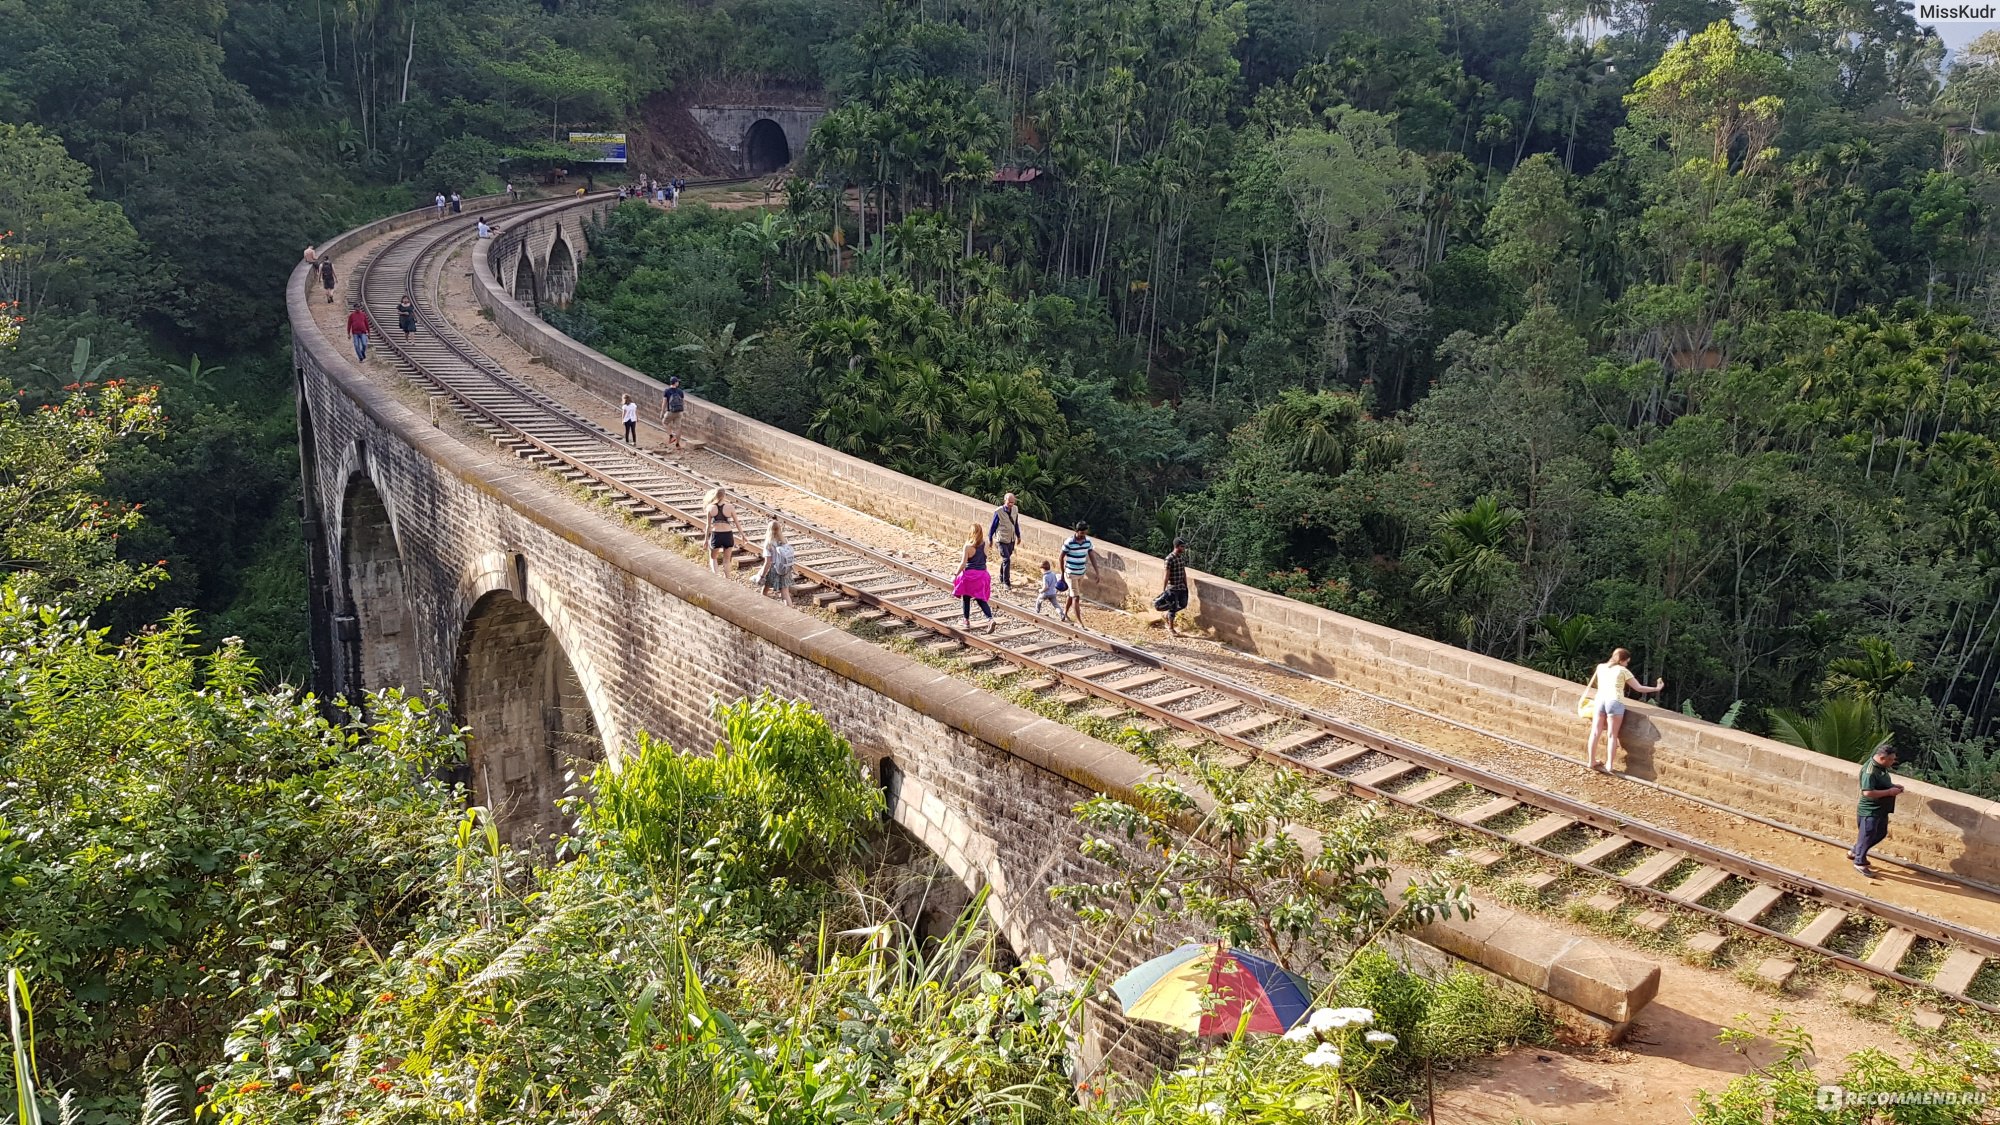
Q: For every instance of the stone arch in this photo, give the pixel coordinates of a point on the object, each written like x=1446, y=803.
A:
x=525, y=289
x=765, y=147
x=561, y=285
x=530, y=717
x=376, y=628
x=942, y=832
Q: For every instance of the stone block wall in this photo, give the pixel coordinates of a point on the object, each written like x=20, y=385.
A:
x=1935, y=827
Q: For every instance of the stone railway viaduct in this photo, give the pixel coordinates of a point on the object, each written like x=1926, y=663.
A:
x=559, y=633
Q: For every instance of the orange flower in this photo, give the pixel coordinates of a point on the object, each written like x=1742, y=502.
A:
x=249, y=1087
x=386, y=996
x=297, y=1088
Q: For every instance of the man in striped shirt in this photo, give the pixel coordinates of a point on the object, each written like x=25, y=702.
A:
x=1079, y=556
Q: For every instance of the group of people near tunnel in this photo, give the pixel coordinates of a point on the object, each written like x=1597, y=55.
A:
x=665, y=193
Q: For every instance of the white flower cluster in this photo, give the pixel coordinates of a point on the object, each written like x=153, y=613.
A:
x=1340, y=1019
x=1333, y=1020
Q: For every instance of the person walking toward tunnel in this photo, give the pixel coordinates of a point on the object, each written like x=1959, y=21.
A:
x=1878, y=799
x=406, y=315
x=326, y=276
x=628, y=412
x=1005, y=533
x=358, y=327
x=673, y=402
x=973, y=583
x=719, y=527
x=1607, y=705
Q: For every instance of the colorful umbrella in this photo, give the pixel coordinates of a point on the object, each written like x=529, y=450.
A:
x=1206, y=988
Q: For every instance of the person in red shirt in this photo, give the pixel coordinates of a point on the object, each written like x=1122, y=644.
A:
x=358, y=327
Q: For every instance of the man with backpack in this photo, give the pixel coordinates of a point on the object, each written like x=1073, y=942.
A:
x=673, y=400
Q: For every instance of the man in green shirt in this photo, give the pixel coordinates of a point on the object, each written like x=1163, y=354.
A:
x=1878, y=800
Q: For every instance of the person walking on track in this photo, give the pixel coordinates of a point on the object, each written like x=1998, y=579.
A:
x=1606, y=698
x=358, y=327
x=719, y=526
x=1878, y=799
x=973, y=583
x=1052, y=589
x=673, y=401
x=406, y=316
x=1079, y=557
x=1005, y=533
x=628, y=412
x=326, y=276
x=1174, y=591
x=780, y=564
x=441, y=203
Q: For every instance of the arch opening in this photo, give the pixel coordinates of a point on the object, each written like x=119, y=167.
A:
x=920, y=890
x=524, y=279
x=765, y=148
x=530, y=721
x=562, y=273
x=376, y=625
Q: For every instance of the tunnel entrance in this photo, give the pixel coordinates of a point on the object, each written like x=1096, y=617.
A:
x=530, y=721
x=376, y=623
x=524, y=280
x=765, y=148
x=562, y=274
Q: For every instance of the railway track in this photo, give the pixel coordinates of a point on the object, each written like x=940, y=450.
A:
x=1074, y=667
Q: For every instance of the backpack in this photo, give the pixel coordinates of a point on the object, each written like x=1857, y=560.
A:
x=676, y=398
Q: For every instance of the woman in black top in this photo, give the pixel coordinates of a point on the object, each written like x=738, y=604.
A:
x=721, y=530
x=406, y=316
x=326, y=277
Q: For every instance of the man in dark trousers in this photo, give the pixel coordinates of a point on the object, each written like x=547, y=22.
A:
x=1878, y=800
x=1005, y=533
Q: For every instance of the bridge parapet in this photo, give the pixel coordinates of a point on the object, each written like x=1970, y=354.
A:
x=1935, y=827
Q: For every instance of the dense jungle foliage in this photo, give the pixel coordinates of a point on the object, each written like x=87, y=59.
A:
x=1534, y=328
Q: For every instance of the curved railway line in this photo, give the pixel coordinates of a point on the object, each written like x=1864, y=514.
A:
x=1073, y=666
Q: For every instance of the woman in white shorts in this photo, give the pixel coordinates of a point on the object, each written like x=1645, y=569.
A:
x=1607, y=711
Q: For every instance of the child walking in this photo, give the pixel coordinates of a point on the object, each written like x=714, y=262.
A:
x=1050, y=594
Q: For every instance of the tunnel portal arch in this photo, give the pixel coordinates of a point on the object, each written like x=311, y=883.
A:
x=376, y=624
x=530, y=720
x=765, y=148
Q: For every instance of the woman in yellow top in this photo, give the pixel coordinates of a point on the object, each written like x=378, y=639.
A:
x=1608, y=684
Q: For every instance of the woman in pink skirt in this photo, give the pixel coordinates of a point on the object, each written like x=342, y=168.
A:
x=973, y=584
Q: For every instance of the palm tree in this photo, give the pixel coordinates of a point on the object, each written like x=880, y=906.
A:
x=717, y=353
x=1567, y=644
x=1468, y=558
x=1871, y=677
x=1315, y=430
x=765, y=237
x=1846, y=728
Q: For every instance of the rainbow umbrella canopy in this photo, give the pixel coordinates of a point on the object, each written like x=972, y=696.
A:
x=1206, y=989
